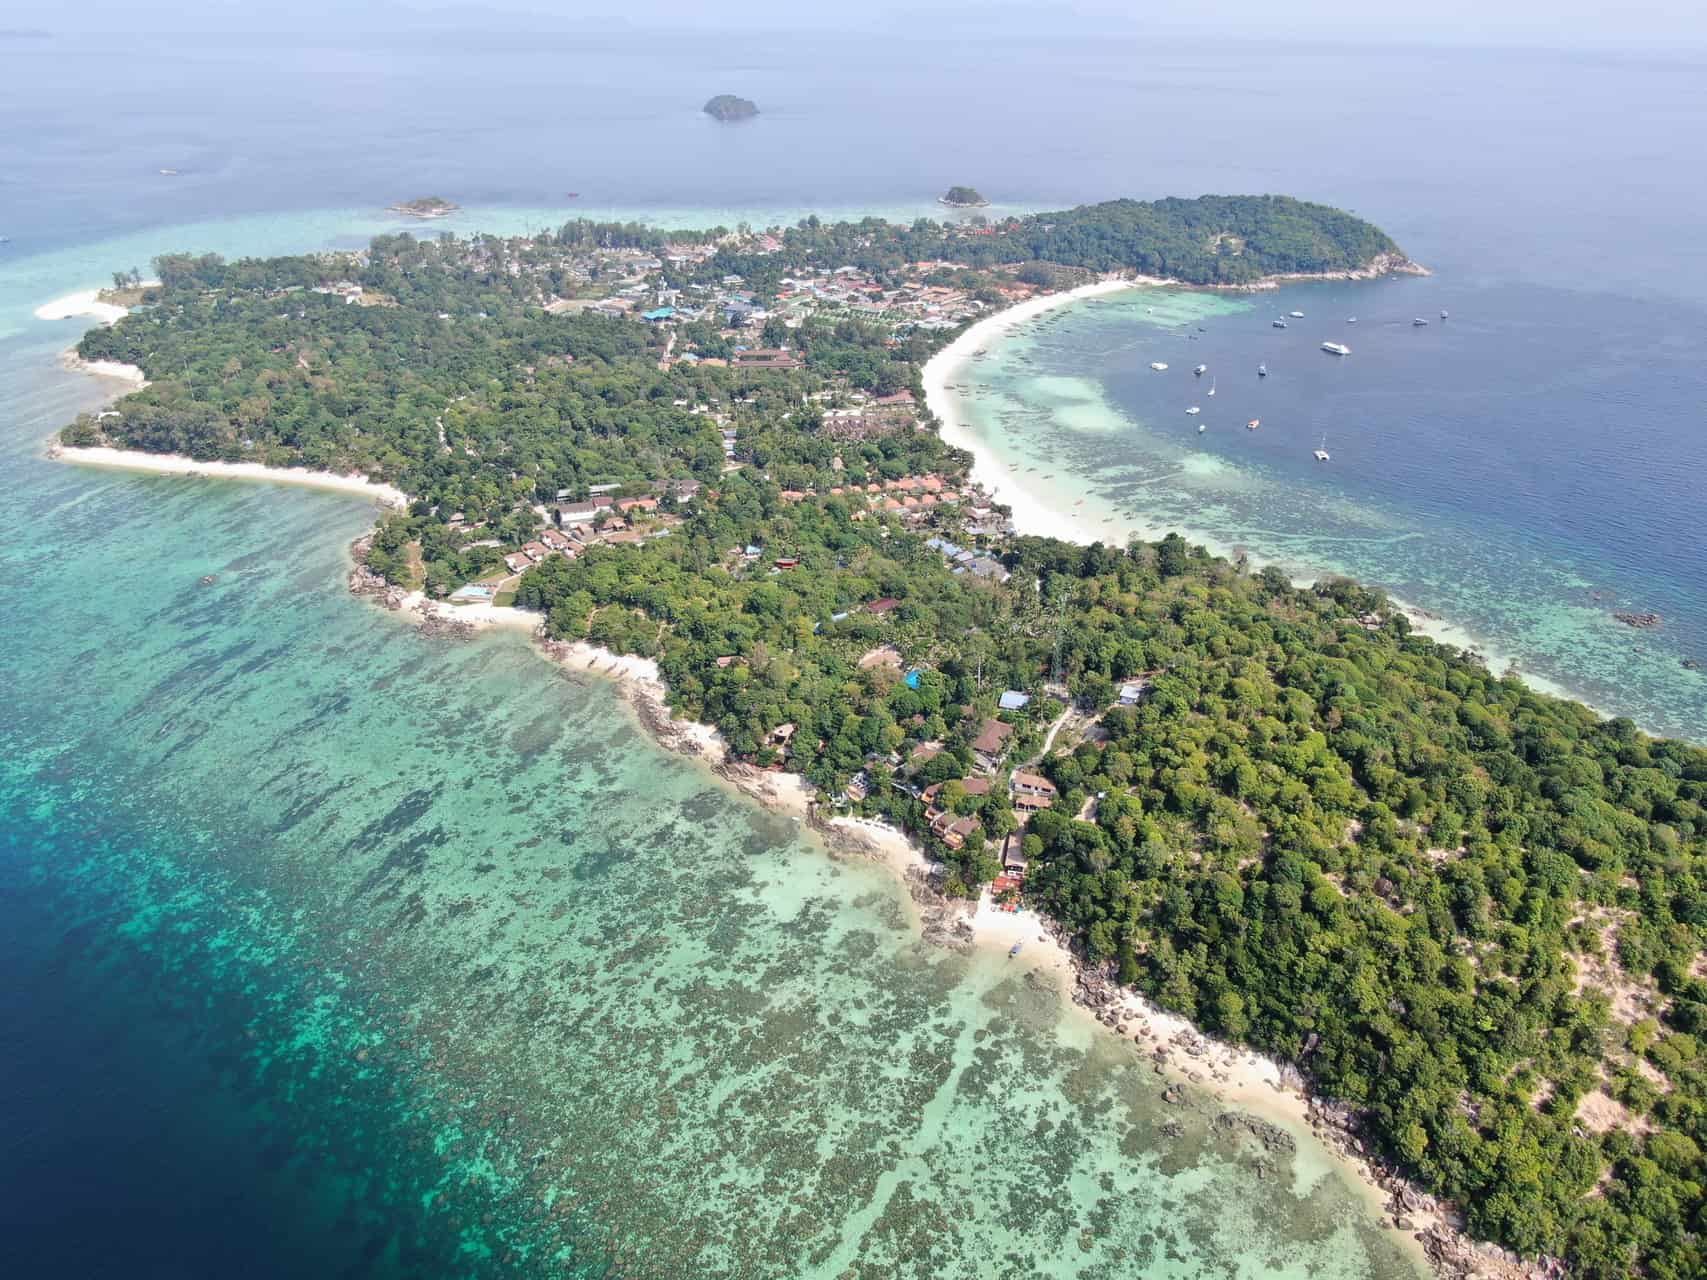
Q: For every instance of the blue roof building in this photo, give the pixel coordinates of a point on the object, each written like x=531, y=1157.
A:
x=1013, y=700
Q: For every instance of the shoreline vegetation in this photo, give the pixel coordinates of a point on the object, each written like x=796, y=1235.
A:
x=1289, y=783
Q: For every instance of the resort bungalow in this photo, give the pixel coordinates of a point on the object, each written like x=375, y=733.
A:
x=1014, y=861
x=953, y=831
x=515, y=562
x=1031, y=792
x=991, y=744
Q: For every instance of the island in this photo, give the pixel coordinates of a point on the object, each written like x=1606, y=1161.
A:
x=727, y=107
x=424, y=207
x=963, y=198
x=1468, y=916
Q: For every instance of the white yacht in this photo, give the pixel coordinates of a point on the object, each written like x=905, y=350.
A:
x=1336, y=348
x=1322, y=449
x=1158, y=366
x=1194, y=411
x=1262, y=371
x=1253, y=424
x=1296, y=315
x=1280, y=324
x=1201, y=427
x=1201, y=370
x=1419, y=322
x=1212, y=386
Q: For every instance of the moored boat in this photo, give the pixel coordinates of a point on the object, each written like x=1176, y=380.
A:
x=1336, y=348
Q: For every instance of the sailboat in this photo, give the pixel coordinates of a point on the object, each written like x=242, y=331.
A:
x=1322, y=451
x=1262, y=371
x=1212, y=386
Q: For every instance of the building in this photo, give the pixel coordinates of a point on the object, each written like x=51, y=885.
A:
x=1013, y=700
x=991, y=744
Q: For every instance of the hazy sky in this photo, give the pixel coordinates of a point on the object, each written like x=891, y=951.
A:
x=1653, y=24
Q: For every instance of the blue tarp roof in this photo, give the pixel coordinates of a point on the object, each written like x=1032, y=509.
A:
x=1013, y=700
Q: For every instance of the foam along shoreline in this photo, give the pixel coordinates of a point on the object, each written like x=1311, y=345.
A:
x=1037, y=515
x=177, y=465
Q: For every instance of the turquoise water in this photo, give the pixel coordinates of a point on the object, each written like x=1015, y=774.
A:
x=364, y=953
x=1517, y=472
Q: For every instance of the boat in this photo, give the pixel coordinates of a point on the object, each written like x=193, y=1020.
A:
x=1351, y=319
x=1158, y=366
x=1280, y=324
x=1336, y=348
x=1322, y=450
x=1253, y=424
x=1443, y=315
x=1202, y=427
x=1201, y=370
x=168, y=173
x=1262, y=371
x=1296, y=315
x=1014, y=950
x=1194, y=411
x=1212, y=386
x=1418, y=323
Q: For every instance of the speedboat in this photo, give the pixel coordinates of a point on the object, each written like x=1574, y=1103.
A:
x=1280, y=324
x=1262, y=371
x=1159, y=366
x=1201, y=427
x=1194, y=411
x=1296, y=315
x=1253, y=424
x=1443, y=315
x=1201, y=370
x=1336, y=348
x=1418, y=323
x=1351, y=319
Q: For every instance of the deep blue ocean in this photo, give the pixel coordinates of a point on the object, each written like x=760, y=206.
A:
x=327, y=951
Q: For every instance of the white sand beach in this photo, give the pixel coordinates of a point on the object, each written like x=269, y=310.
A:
x=177, y=465
x=1031, y=514
x=86, y=302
